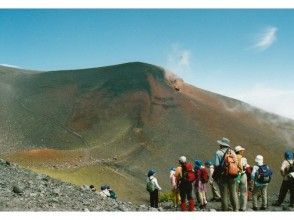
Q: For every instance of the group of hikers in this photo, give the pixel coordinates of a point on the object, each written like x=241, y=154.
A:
x=229, y=171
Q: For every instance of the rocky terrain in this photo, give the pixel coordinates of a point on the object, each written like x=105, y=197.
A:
x=24, y=190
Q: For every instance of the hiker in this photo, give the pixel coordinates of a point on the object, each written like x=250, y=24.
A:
x=185, y=177
x=242, y=177
x=287, y=168
x=92, y=187
x=153, y=188
x=201, y=181
x=174, y=188
x=215, y=194
x=226, y=170
x=261, y=176
x=104, y=191
x=248, y=171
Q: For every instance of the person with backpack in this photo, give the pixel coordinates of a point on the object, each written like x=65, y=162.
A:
x=215, y=194
x=174, y=188
x=287, y=168
x=242, y=177
x=185, y=177
x=104, y=191
x=201, y=181
x=261, y=176
x=248, y=171
x=153, y=188
x=225, y=173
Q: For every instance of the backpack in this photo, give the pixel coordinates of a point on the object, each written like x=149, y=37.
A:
x=248, y=171
x=150, y=186
x=187, y=173
x=263, y=174
x=112, y=194
x=204, y=177
x=230, y=166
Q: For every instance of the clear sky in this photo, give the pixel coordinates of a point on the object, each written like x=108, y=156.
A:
x=246, y=54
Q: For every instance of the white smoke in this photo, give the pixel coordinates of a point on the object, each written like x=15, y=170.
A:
x=179, y=60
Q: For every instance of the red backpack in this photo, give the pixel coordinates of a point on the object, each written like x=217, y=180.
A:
x=204, y=176
x=188, y=174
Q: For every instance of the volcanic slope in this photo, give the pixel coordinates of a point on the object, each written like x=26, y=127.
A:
x=110, y=124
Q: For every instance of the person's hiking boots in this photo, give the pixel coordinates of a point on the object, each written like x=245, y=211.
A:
x=183, y=206
x=191, y=205
x=203, y=207
x=216, y=199
x=277, y=203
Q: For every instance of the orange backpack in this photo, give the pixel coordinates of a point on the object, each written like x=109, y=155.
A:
x=230, y=164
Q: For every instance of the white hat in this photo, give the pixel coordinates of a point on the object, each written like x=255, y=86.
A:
x=259, y=159
x=182, y=159
x=239, y=148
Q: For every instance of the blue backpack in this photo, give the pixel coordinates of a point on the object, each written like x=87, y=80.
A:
x=263, y=174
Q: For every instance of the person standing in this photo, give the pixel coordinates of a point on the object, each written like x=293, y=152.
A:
x=185, y=177
x=242, y=177
x=261, y=176
x=201, y=181
x=153, y=188
x=288, y=183
x=225, y=158
x=215, y=194
x=248, y=171
x=174, y=188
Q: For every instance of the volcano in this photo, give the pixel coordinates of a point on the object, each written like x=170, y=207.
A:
x=109, y=125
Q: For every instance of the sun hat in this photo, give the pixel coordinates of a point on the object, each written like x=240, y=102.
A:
x=150, y=173
x=259, y=159
x=224, y=142
x=182, y=159
x=239, y=148
x=288, y=155
x=198, y=163
x=208, y=163
x=103, y=187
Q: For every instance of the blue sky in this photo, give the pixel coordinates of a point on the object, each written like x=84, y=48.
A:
x=246, y=54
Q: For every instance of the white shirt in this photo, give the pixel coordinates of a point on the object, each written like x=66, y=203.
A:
x=284, y=168
x=105, y=193
x=154, y=180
